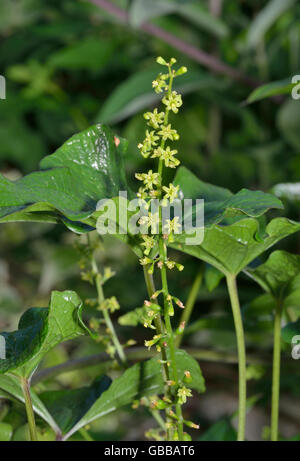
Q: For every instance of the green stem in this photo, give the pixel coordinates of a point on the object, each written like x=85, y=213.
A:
x=85, y=435
x=236, y=310
x=170, y=335
x=276, y=373
x=158, y=325
x=29, y=409
x=189, y=306
x=107, y=318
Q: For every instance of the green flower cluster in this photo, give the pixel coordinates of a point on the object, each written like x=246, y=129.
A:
x=156, y=146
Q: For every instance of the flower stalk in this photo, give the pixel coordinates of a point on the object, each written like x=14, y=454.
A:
x=154, y=146
x=29, y=409
x=276, y=372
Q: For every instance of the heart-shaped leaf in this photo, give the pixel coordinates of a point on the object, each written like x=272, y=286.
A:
x=231, y=248
x=143, y=378
x=279, y=275
x=220, y=203
x=68, y=406
x=87, y=168
x=10, y=388
x=40, y=329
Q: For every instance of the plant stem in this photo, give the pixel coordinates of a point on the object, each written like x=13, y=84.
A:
x=276, y=373
x=170, y=335
x=160, y=328
x=29, y=409
x=236, y=310
x=189, y=306
x=85, y=435
x=107, y=318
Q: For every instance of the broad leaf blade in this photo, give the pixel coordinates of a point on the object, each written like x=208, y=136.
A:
x=143, y=378
x=87, y=168
x=231, y=248
x=40, y=329
x=69, y=406
x=220, y=203
x=279, y=275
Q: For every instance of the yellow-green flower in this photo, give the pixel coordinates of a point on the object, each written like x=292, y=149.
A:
x=144, y=261
x=183, y=393
x=172, y=225
x=173, y=101
x=155, y=118
x=152, y=220
x=166, y=132
x=159, y=84
x=167, y=155
x=150, y=179
x=171, y=192
x=148, y=243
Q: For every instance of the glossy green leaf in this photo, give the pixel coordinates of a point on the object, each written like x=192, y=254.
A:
x=271, y=89
x=6, y=432
x=40, y=329
x=231, y=248
x=86, y=168
x=143, y=378
x=10, y=385
x=136, y=93
x=279, y=275
x=68, y=406
x=220, y=203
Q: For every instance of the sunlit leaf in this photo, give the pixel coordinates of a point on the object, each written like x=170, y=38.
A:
x=40, y=329
x=142, y=379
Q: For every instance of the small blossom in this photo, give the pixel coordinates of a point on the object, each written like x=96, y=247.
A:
x=144, y=261
x=166, y=132
x=170, y=264
x=167, y=155
x=183, y=393
x=148, y=243
x=172, y=225
x=159, y=84
x=155, y=118
x=173, y=101
x=150, y=179
x=142, y=193
x=152, y=220
x=171, y=192
x=152, y=341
